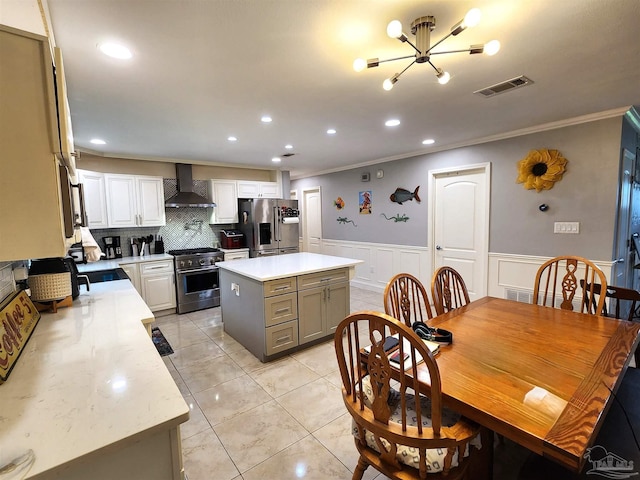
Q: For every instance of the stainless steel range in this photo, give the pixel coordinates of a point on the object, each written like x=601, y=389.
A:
x=197, y=278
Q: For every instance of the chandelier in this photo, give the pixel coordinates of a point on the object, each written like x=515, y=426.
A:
x=421, y=28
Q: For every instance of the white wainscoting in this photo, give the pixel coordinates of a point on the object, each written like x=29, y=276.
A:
x=512, y=276
x=509, y=276
x=381, y=262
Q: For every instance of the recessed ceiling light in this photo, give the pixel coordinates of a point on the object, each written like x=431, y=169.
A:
x=428, y=141
x=275, y=159
x=266, y=119
x=98, y=141
x=115, y=50
x=288, y=146
x=394, y=122
x=232, y=139
x=331, y=131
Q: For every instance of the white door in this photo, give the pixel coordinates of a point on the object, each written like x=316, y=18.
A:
x=460, y=224
x=312, y=220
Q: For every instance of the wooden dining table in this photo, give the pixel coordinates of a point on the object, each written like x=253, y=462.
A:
x=540, y=376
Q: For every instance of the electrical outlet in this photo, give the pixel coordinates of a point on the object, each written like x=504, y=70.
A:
x=566, y=227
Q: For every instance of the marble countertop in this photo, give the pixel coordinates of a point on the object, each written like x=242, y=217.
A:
x=89, y=378
x=281, y=266
x=116, y=262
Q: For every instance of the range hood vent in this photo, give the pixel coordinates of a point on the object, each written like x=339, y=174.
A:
x=186, y=197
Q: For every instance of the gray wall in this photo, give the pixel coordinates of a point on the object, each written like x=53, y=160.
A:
x=586, y=194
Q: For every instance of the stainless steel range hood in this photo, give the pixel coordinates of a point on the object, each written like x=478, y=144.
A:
x=186, y=197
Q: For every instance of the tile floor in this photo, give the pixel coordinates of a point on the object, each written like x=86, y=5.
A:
x=280, y=420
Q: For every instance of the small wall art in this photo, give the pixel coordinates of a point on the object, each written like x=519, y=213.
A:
x=364, y=200
x=397, y=218
x=345, y=220
x=402, y=195
x=338, y=203
x=540, y=169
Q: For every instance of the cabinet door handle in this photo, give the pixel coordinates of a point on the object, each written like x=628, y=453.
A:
x=328, y=294
x=283, y=339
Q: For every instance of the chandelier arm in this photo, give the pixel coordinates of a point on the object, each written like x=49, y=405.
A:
x=406, y=68
x=397, y=58
x=451, y=51
x=434, y=67
x=414, y=47
x=437, y=43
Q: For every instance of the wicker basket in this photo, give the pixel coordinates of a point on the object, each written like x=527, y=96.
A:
x=50, y=286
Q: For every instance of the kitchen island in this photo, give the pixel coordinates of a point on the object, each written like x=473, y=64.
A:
x=91, y=397
x=278, y=304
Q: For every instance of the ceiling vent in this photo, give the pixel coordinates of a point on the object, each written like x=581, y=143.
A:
x=502, y=87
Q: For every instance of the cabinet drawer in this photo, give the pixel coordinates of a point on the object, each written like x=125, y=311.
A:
x=280, y=308
x=282, y=337
x=151, y=268
x=313, y=280
x=280, y=286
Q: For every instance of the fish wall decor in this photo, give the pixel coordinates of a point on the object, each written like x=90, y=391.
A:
x=345, y=220
x=397, y=218
x=401, y=195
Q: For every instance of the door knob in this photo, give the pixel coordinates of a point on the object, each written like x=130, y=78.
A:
x=438, y=247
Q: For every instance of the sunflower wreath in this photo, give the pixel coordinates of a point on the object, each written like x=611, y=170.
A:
x=540, y=169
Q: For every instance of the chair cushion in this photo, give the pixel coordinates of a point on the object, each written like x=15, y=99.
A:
x=410, y=456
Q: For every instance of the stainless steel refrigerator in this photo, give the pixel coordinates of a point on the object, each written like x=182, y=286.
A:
x=270, y=226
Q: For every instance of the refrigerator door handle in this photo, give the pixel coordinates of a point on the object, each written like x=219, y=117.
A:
x=276, y=223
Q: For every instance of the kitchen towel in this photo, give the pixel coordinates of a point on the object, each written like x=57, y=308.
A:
x=92, y=251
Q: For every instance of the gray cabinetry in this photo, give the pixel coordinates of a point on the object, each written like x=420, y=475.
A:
x=323, y=301
x=278, y=316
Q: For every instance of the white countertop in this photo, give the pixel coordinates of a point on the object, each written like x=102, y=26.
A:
x=89, y=377
x=116, y=262
x=281, y=266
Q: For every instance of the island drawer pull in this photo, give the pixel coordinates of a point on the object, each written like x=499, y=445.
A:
x=282, y=310
x=285, y=287
x=282, y=339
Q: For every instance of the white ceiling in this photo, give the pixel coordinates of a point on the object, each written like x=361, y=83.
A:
x=206, y=69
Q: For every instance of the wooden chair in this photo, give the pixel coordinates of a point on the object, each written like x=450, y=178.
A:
x=558, y=278
x=384, y=411
x=448, y=290
x=618, y=295
x=406, y=299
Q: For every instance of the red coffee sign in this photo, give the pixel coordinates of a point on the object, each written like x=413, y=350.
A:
x=18, y=319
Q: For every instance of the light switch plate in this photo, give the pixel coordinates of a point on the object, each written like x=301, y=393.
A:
x=566, y=227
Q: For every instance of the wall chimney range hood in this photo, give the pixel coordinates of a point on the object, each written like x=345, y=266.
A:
x=186, y=197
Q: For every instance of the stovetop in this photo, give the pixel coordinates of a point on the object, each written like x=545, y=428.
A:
x=193, y=251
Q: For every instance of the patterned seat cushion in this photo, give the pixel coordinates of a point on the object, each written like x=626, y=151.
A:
x=409, y=455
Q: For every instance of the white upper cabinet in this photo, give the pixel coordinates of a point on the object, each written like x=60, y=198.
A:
x=150, y=196
x=251, y=189
x=95, y=198
x=134, y=201
x=224, y=194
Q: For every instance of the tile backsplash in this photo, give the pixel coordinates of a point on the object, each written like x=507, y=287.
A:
x=7, y=285
x=185, y=227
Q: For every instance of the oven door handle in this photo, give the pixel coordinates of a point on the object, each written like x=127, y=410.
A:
x=197, y=270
